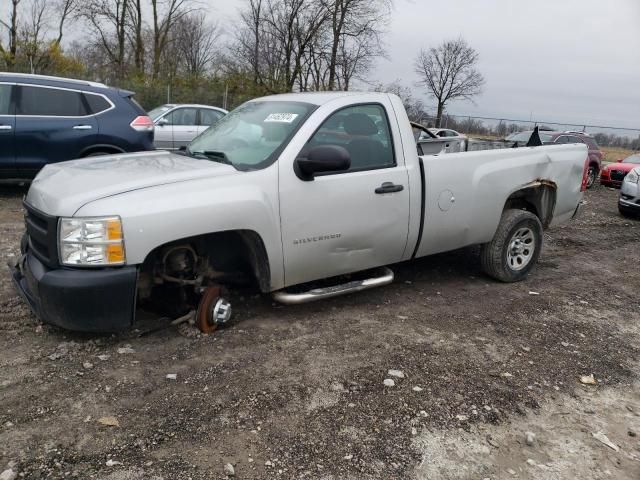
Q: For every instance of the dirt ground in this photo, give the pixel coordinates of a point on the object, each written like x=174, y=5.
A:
x=297, y=392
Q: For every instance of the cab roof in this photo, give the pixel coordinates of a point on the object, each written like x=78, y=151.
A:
x=315, y=98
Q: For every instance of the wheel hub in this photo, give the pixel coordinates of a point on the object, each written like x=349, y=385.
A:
x=221, y=312
x=521, y=248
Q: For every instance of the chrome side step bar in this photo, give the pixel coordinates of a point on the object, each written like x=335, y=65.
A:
x=315, y=294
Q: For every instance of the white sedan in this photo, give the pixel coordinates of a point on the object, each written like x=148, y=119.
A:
x=178, y=124
x=446, y=133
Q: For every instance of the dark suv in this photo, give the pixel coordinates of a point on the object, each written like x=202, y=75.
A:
x=50, y=119
x=551, y=137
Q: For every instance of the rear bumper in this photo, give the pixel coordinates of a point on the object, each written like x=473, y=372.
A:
x=80, y=300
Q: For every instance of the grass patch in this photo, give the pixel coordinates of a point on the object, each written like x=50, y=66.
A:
x=612, y=154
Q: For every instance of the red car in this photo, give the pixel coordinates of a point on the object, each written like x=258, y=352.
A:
x=613, y=174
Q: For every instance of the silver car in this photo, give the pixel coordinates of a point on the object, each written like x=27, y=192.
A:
x=178, y=124
x=629, y=200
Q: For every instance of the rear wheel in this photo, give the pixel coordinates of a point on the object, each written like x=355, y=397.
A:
x=515, y=247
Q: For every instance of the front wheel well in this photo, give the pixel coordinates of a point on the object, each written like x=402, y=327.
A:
x=538, y=198
x=100, y=149
x=235, y=257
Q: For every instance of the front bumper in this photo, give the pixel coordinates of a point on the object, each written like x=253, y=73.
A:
x=630, y=196
x=628, y=205
x=77, y=299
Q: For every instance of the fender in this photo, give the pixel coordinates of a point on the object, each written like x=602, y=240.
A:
x=161, y=214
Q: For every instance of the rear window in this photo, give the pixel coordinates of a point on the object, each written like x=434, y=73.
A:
x=97, y=103
x=50, y=102
x=136, y=105
x=159, y=111
x=591, y=142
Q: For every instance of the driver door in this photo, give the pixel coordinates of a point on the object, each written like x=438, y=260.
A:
x=344, y=222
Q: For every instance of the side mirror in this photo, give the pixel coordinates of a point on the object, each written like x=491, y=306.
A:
x=183, y=148
x=323, y=158
x=162, y=122
x=620, y=160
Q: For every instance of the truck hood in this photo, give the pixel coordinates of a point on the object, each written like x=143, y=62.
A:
x=61, y=189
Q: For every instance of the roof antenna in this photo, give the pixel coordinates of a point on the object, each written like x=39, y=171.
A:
x=534, y=140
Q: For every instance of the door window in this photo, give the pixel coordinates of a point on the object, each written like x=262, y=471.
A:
x=364, y=131
x=182, y=117
x=209, y=117
x=5, y=99
x=50, y=102
x=562, y=139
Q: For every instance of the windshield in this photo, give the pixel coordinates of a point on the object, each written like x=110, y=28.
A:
x=158, y=111
x=632, y=159
x=525, y=136
x=252, y=135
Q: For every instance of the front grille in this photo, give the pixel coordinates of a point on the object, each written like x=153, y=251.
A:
x=42, y=231
x=617, y=175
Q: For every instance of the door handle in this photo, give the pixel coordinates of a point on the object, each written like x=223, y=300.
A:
x=389, y=187
x=5, y=127
x=82, y=127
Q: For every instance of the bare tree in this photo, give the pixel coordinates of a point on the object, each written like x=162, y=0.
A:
x=356, y=56
x=416, y=109
x=166, y=14
x=108, y=19
x=32, y=35
x=274, y=40
x=67, y=10
x=353, y=19
x=449, y=72
x=197, y=43
x=136, y=21
x=10, y=52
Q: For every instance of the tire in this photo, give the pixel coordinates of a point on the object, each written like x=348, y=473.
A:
x=592, y=176
x=97, y=154
x=515, y=248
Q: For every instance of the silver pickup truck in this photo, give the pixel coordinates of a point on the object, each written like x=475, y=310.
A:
x=306, y=196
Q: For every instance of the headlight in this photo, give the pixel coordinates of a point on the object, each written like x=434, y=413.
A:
x=91, y=241
x=632, y=177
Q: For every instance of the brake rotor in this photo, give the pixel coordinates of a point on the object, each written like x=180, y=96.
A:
x=213, y=310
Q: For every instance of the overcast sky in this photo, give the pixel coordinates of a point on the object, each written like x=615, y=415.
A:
x=574, y=61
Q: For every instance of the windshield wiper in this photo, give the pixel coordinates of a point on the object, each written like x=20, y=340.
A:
x=211, y=155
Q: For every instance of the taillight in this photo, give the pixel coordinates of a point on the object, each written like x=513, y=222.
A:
x=585, y=176
x=142, y=124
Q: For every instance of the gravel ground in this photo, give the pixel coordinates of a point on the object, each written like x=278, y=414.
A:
x=299, y=392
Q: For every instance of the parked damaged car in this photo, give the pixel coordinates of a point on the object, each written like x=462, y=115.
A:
x=613, y=174
x=304, y=196
x=629, y=199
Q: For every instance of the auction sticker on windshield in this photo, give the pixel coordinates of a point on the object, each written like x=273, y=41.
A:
x=281, y=117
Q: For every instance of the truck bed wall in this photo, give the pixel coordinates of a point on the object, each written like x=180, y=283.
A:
x=466, y=191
